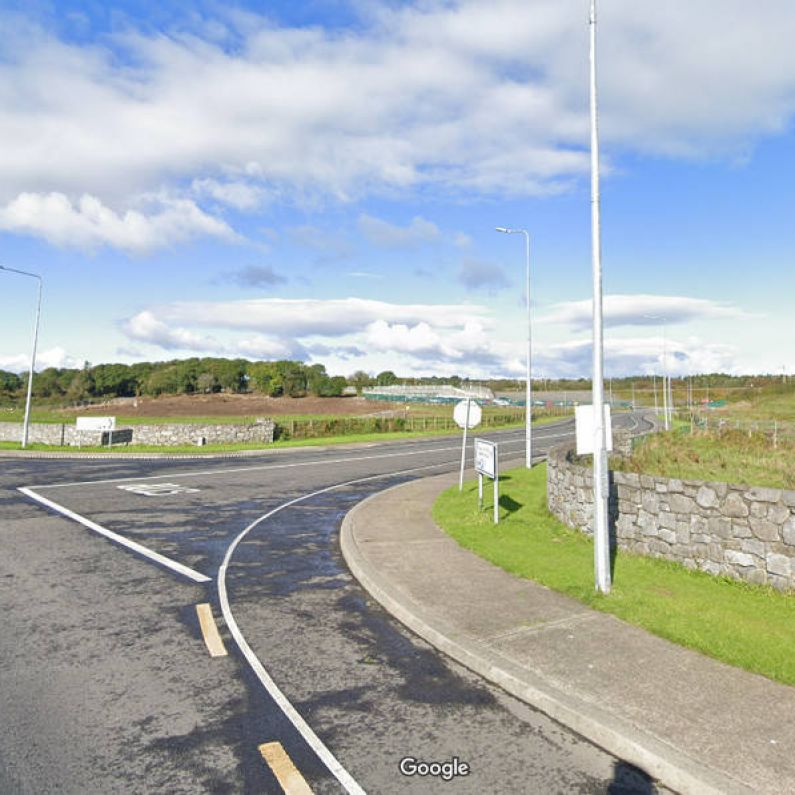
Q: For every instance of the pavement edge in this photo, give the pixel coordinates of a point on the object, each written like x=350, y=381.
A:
x=627, y=742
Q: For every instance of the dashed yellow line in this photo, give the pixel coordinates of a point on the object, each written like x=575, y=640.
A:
x=210, y=631
x=292, y=782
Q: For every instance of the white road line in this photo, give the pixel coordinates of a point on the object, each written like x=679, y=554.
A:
x=260, y=467
x=125, y=542
x=314, y=742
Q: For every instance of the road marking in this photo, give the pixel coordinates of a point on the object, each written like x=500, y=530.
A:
x=290, y=712
x=212, y=640
x=119, y=539
x=156, y=489
x=291, y=781
x=540, y=436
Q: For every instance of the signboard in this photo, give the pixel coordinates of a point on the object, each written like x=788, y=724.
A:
x=95, y=423
x=460, y=414
x=584, y=420
x=485, y=458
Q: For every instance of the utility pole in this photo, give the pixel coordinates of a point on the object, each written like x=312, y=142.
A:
x=600, y=487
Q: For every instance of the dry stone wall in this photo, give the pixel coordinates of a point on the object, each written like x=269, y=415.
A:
x=745, y=532
x=165, y=434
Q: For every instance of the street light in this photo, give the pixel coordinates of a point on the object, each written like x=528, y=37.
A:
x=528, y=448
x=665, y=369
x=600, y=487
x=26, y=423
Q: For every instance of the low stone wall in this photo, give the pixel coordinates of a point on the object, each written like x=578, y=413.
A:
x=741, y=531
x=166, y=434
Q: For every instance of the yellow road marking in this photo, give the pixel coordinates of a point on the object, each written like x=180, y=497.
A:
x=212, y=640
x=292, y=782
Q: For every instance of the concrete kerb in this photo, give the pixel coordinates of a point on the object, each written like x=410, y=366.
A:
x=665, y=763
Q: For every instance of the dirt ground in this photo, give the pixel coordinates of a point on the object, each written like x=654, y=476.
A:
x=230, y=405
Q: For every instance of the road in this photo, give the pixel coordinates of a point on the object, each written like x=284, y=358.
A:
x=106, y=684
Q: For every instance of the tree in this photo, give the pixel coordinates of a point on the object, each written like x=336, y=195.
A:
x=9, y=382
x=206, y=382
x=386, y=378
x=360, y=380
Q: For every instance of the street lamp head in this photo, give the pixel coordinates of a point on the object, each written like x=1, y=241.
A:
x=498, y=229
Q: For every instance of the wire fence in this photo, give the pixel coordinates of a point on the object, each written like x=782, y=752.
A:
x=775, y=431
x=351, y=426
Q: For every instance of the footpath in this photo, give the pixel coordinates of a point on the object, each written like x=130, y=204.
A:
x=694, y=724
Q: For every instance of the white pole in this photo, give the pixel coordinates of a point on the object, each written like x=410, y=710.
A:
x=600, y=488
x=463, y=451
x=26, y=421
x=528, y=433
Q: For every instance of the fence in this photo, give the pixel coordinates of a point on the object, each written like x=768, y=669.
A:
x=774, y=431
x=346, y=426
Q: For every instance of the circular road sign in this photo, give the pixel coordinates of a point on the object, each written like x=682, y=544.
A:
x=460, y=414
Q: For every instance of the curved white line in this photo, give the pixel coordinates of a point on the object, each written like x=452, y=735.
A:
x=314, y=742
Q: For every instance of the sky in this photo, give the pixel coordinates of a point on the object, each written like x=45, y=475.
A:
x=322, y=181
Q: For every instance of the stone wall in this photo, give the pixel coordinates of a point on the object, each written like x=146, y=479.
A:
x=740, y=531
x=165, y=434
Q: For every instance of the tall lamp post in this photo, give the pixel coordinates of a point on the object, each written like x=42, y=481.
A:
x=600, y=488
x=528, y=449
x=26, y=423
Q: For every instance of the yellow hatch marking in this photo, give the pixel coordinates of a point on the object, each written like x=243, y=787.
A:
x=210, y=631
x=292, y=782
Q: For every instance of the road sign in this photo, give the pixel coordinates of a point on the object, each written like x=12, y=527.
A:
x=461, y=410
x=584, y=421
x=485, y=457
x=95, y=423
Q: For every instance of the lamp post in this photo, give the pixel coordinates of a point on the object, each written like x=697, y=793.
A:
x=666, y=383
x=600, y=488
x=528, y=450
x=26, y=422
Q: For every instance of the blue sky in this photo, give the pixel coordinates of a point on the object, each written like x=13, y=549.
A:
x=323, y=183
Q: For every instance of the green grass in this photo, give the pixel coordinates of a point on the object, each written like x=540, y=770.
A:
x=744, y=625
x=729, y=456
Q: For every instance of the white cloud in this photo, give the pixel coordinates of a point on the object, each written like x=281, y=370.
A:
x=641, y=310
x=382, y=233
x=302, y=317
x=437, y=95
x=88, y=223
x=642, y=355
x=52, y=357
x=240, y=195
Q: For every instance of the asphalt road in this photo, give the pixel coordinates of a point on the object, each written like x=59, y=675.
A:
x=106, y=684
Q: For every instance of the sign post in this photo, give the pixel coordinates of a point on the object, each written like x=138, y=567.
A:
x=487, y=463
x=97, y=424
x=466, y=415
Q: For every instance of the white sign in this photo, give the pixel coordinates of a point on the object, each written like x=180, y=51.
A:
x=584, y=420
x=460, y=414
x=156, y=489
x=95, y=423
x=485, y=458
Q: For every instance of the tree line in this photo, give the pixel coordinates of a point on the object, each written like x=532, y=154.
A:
x=186, y=377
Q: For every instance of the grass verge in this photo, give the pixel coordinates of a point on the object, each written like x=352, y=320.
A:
x=729, y=456
x=748, y=626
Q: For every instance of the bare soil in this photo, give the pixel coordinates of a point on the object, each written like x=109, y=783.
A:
x=230, y=405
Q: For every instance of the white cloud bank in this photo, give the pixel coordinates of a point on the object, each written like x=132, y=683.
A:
x=641, y=310
x=463, y=98
x=414, y=338
x=88, y=223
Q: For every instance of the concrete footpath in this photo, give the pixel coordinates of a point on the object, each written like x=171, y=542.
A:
x=695, y=724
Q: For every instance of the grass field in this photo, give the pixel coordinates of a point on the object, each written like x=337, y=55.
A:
x=747, y=626
x=729, y=456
